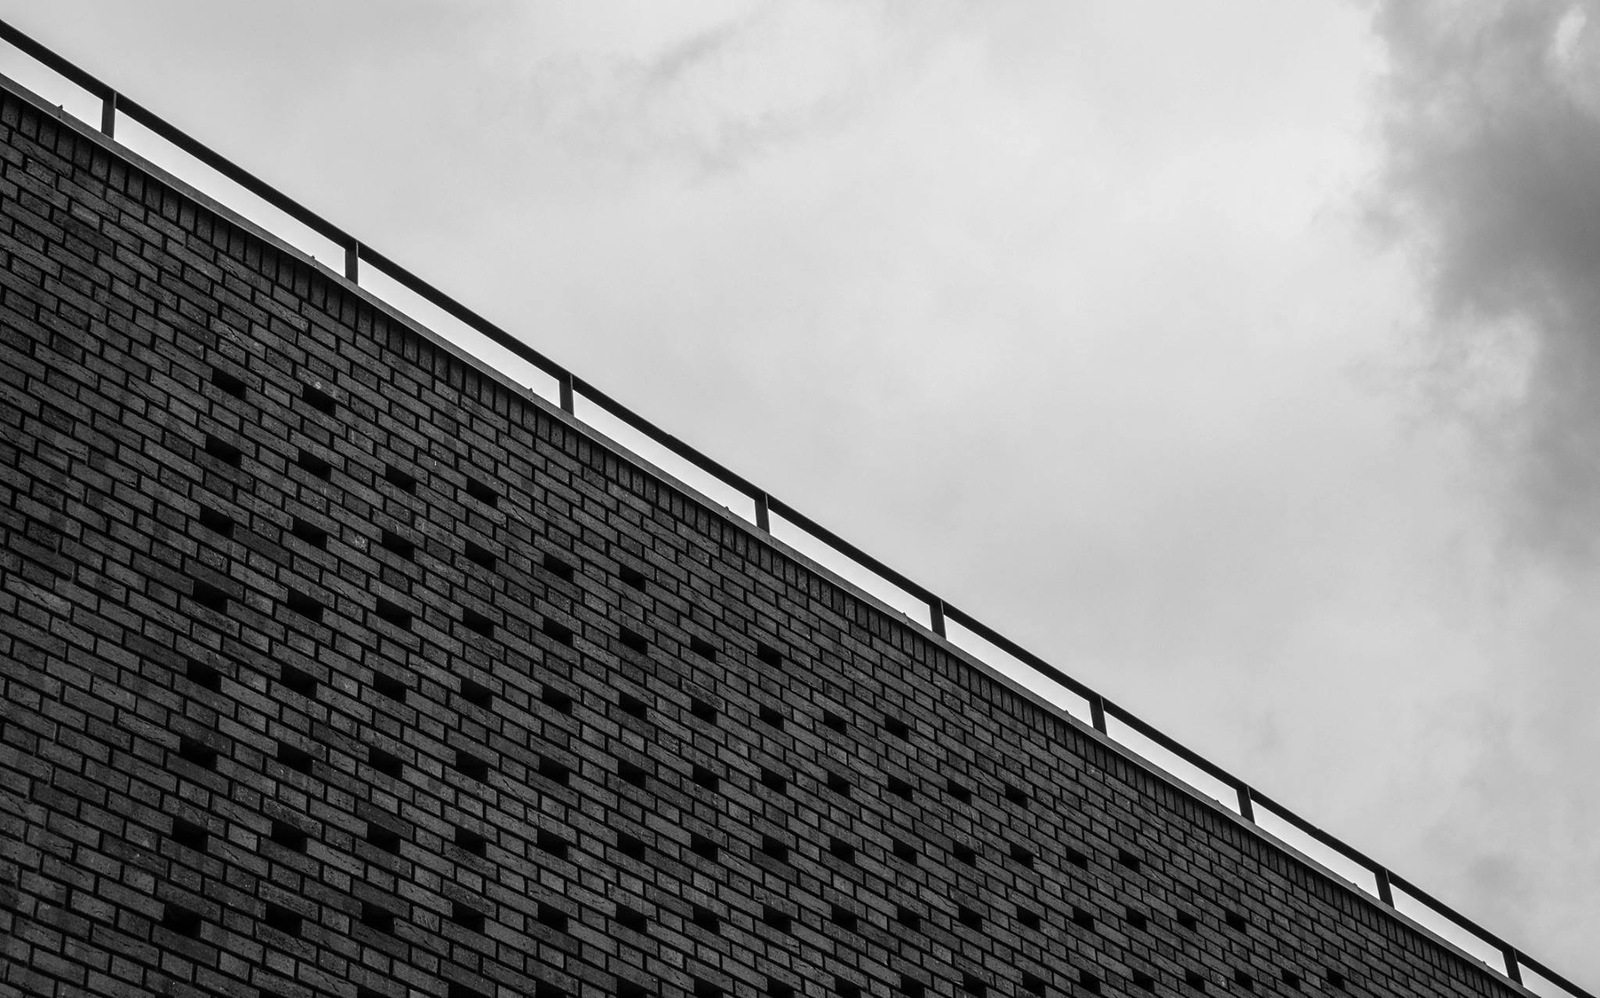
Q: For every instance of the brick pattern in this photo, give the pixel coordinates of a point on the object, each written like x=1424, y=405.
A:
x=333, y=666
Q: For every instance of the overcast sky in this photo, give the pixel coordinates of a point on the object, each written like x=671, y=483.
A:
x=1239, y=357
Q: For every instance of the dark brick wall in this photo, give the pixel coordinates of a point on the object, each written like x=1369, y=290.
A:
x=332, y=665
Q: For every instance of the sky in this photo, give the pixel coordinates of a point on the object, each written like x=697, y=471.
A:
x=1239, y=358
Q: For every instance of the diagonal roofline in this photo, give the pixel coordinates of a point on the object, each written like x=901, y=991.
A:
x=1249, y=803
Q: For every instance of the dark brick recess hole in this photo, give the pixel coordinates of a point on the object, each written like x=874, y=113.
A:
x=473, y=767
x=628, y=989
x=197, y=752
x=467, y=917
x=1129, y=860
x=768, y=655
x=703, y=847
x=774, y=780
x=1076, y=857
x=630, y=846
x=1082, y=919
x=482, y=492
x=702, y=711
x=704, y=777
x=555, y=699
x=481, y=556
x=384, y=761
x=294, y=757
x=386, y=839
x=964, y=854
x=631, y=577
x=631, y=774
x=775, y=848
x=463, y=991
x=633, y=706
x=365, y=992
x=1242, y=978
x=905, y=851
x=549, y=842
x=840, y=849
x=558, y=567
x=1335, y=980
x=959, y=791
x=1143, y=981
x=475, y=693
x=557, y=632
x=1187, y=921
x=227, y=383
x=969, y=917
x=1135, y=918
x=314, y=465
x=897, y=728
x=388, y=686
x=1021, y=856
x=1015, y=794
x=216, y=522
x=202, y=675
x=1028, y=918
x=297, y=680
x=377, y=917
x=305, y=605
x=1236, y=921
x=189, y=835
x=834, y=722
x=1292, y=980
x=553, y=770
x=209, y=596
x=633, y=641
x=700, y=646
x=393, y=614
x=477, y=623
x=632, y=919
x=1033, y=984
x=899, y=788
x=907, y=917
x=705, y=989
x=1089, y=982
x=545, y=989
x=288, y=836
x=553, y=917
x=183, y=921
x=400, y=479
x=310, y=533
x=839, y=784
x=780, y=989
x=402, y=546
x=844, y=918
x=846, y=989
x=470, y=841
x=705, y=918
x=1195, y=979
x=283, y=919
x=223, y=451
x=318, y=399
x=973, y=986
x=771, y=718
x=777, y=918
x=911, y=987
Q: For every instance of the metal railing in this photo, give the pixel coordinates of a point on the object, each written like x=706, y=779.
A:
x=1248, y=802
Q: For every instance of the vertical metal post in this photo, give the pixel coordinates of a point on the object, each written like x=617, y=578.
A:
x=352, y=262
x=1097, y=713
x=936, y=616
x=1513, y=965
x=763, y=513
x=1385, y=889
x=1247, y=810
x=566, y=392
x=108, y=114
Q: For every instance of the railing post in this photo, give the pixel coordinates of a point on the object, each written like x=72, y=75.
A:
x=763, y=513
x=108, y=114
x=1247, y=810
x=1513, y=965
x=936, y=616
x=565, y=382
x=352, y=262
x=1385, y=889
x=1097, y=713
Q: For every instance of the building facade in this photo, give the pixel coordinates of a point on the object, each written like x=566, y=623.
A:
x=334, y=664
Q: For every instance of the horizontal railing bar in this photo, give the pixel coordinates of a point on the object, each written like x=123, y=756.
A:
x=356, y=251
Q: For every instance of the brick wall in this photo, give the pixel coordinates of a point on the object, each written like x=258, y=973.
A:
x=333, y=665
